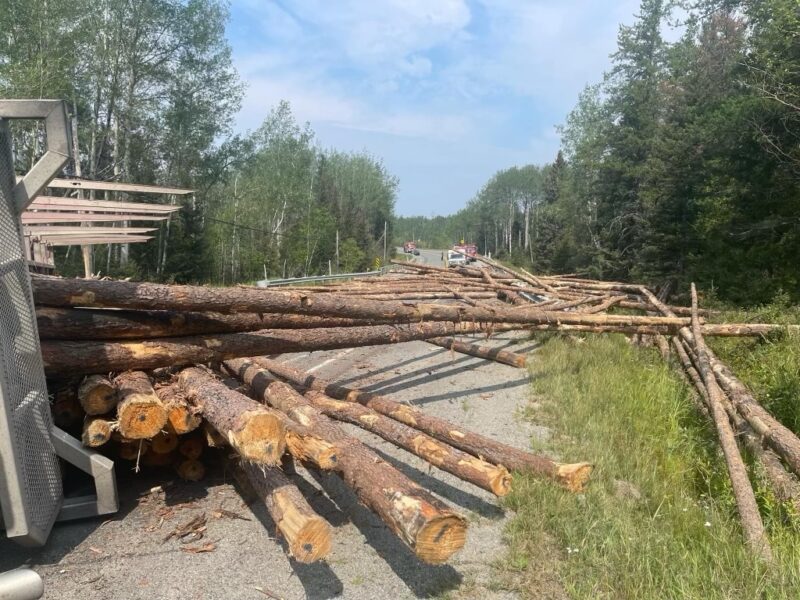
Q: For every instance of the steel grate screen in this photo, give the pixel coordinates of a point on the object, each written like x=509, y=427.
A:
x=31, y=491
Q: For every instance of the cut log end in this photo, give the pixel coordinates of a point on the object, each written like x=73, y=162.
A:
x=261, y=438
x=133, y=450
x=191, y=470
x=182, y=419
x=313, y=541
x=320, y=452
x=191, y=447
x=164, y=442
x=96, y=431
x=97, y=395
x=501, y=482
x=575, y=476
x=440, y=538
x=307, y=534
x=141, y=417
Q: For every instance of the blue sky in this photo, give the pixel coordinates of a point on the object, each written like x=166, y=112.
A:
x=446, y=92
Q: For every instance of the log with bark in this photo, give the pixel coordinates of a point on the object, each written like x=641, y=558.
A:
x=429, y=527
x=257, y=433
x=753, y=527
x=308, y=536
x=96, y=431
x=779, y=437
x=181, y=416
x=140, y=412
x=493, y=478
x=785, y=485
x=51, y=291
x=61, y=356
x=496, y=354
x=571, y=476
x=112, y=324
x=97, y=395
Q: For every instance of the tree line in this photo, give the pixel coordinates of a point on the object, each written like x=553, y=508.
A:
x=682, y=164
x=153, y=93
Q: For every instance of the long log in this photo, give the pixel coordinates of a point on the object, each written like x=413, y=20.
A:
x=509, y=296
x=140, y=412
x=72, y=324
x=784, y=484
x=51, y=291
x=257, y=433
x=502, y=356
x=571, y=476
x=67, y=357
x=307, y=534
x=429, y=527
x=752, y=525
x=106, y=324
x=779, y=437
x=495, y=479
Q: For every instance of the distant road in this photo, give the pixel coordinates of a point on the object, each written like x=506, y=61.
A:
x=427, y=256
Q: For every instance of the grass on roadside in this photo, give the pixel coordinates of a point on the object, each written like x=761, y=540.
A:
x=658, y=519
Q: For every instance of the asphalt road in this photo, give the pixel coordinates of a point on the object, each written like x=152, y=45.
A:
x=126, y=557
x=427, y=256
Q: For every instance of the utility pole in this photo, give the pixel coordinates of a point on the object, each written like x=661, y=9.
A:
x=337, y=250
x=385, y=226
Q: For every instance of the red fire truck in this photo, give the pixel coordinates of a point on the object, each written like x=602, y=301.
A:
x=470, y=250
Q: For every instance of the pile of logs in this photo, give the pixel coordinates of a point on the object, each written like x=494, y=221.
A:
x=158, y=374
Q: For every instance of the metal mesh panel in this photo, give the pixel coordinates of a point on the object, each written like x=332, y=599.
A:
x=30, y=480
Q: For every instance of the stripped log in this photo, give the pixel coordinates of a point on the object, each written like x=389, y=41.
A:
x=96, y=431
x=571, y=476
x=753, y=527
x=429, y=527
x=502, y=356
x=307, y=535
x=97, y=395
x=257, y=433
x=476, y=471
x=140, y=412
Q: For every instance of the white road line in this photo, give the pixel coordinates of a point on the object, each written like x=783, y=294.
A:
x=330, y=360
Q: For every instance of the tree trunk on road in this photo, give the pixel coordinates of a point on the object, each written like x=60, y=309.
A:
x=257, y=433
x=424, y=523
x=571, y=476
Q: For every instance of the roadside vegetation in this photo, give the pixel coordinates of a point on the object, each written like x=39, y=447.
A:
x=658, y=519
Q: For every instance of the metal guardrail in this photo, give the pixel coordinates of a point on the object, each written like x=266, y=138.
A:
x=265, y=283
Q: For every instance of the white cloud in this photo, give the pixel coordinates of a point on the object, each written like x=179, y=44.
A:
x=383, y=32
x=488, y=83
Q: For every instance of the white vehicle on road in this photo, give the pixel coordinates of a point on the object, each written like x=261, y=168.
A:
x=456, y=259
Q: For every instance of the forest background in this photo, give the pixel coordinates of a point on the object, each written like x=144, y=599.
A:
x=681, y=164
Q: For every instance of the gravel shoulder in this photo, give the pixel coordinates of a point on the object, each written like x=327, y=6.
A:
x=124, y=557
